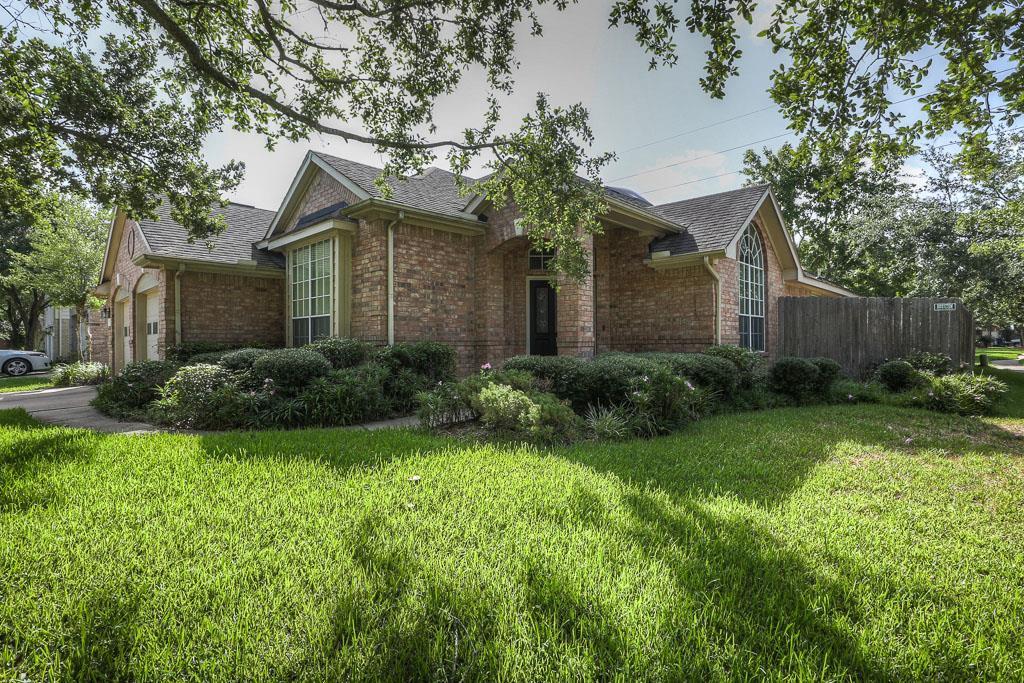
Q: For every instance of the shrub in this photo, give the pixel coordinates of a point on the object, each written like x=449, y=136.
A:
x=506, y=409
x=926, y=361
x=609, y=423
x=345, y=397
x=829, y=372
x=200, y=397
x=443, y=406
x=962, y=393
x=79, y=374
x=290, y=369
x=663, y=402
x=401, y=387
x=561, y=375
x=136, y=386
x=453, y=402
x=207, y=358
x=715, y=374
x=898, y=375
x=609, y=378
x=343, y=353
x=749, y=364
x=433, y=360
x=797, y=378
x=849, y=391
x=242, y=359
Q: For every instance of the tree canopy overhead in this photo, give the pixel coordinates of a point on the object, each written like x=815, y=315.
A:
x=114, y=97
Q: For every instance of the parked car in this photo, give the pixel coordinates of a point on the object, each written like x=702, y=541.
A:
x=17, y=363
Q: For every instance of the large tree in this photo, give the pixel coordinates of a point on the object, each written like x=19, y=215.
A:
x=60, y=261
x=123, y=117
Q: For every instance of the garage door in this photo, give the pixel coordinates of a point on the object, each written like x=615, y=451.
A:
x=152, y=315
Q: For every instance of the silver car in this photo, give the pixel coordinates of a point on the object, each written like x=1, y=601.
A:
x=18, y=363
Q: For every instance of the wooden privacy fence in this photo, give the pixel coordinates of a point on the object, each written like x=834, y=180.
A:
x=858, y=333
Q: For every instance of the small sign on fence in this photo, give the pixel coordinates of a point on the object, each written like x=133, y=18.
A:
x=951, y=306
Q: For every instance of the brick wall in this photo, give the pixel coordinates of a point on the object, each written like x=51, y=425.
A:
x=434, y=284
x=652, y=310
x=231, y=309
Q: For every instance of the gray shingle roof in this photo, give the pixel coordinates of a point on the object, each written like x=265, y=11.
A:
x=710, y=222
x=245, y=226
x=432, y=190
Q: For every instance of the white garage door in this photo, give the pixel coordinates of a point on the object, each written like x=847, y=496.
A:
x=152, y=316
x=126, y=341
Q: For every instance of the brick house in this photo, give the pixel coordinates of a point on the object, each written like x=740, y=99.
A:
x=339, y=259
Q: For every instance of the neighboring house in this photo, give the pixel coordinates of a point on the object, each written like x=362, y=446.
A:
x=66, y=338
x=339, y=259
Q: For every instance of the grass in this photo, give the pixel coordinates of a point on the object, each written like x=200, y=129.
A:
x=830, y=542
x=25, y=383
x=998, y=353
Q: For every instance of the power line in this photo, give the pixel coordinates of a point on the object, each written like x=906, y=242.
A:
x=729, y=173
x=706, y=156
x=698, y=129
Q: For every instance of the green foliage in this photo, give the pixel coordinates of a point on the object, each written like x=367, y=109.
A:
x=829, y=372
x=505, y=409
x=443, y=406
x=850, y=391
x=80, y=373
x=926, y=361
x=749, y=364
x=136, y=385
x=345, y=397
x=561, y=375
x=200, y=396
x=187, y=351
x=290, y=369
x=240, y=360
x=343, y=353
x=433, y=360
x=898, y=375
x=208, y=358
x=962, y=393
x=718, y=375
x=662, y=402
x=797, y=378
x=607, y=423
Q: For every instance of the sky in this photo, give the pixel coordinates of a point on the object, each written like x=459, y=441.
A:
x=641, y=115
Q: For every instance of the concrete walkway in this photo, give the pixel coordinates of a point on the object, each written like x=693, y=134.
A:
x=69, y=407
x=1006, y=364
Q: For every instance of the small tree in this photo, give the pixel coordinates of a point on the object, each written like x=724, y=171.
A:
x=64, y=256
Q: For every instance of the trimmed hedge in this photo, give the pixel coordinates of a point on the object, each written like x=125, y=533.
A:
x=135, y=387
x=242, y=359
x=343, y=353
x=797, y=378
x=290, y=369
x=898, y=375
x=432, y=360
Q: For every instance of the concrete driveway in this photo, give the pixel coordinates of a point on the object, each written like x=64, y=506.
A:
x=69, y=406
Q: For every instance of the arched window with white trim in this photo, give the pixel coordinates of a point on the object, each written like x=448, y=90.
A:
x=751, y=257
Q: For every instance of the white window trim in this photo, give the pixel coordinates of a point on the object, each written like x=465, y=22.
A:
x=755, y=274
x=332, y=289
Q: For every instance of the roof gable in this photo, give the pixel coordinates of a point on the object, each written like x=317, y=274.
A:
x=711, y=222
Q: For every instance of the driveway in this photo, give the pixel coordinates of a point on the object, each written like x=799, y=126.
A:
x=69, y=406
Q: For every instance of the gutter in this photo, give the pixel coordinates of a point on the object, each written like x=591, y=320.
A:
x=718, y=299
x=391, y=277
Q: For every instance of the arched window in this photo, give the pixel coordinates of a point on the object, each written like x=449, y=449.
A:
x=751, y=256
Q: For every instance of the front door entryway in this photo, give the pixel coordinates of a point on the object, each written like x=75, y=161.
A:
x=543, y=320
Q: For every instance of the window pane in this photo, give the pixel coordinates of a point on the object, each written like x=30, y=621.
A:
x=300, y=331
x=751, y=290
x=321, y=327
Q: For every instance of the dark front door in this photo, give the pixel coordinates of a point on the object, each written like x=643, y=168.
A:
x=543, y=321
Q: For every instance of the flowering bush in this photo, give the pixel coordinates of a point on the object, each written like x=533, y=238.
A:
x=963, y=394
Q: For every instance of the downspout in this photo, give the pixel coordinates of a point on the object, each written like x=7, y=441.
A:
x=718, y=299
x=391, y=277
x=177, y=303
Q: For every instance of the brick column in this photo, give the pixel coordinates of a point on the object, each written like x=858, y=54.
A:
x=576, y=311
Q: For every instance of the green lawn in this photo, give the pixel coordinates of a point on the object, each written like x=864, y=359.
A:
x=850, y=542
x=998, y=352
x=25, y=383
